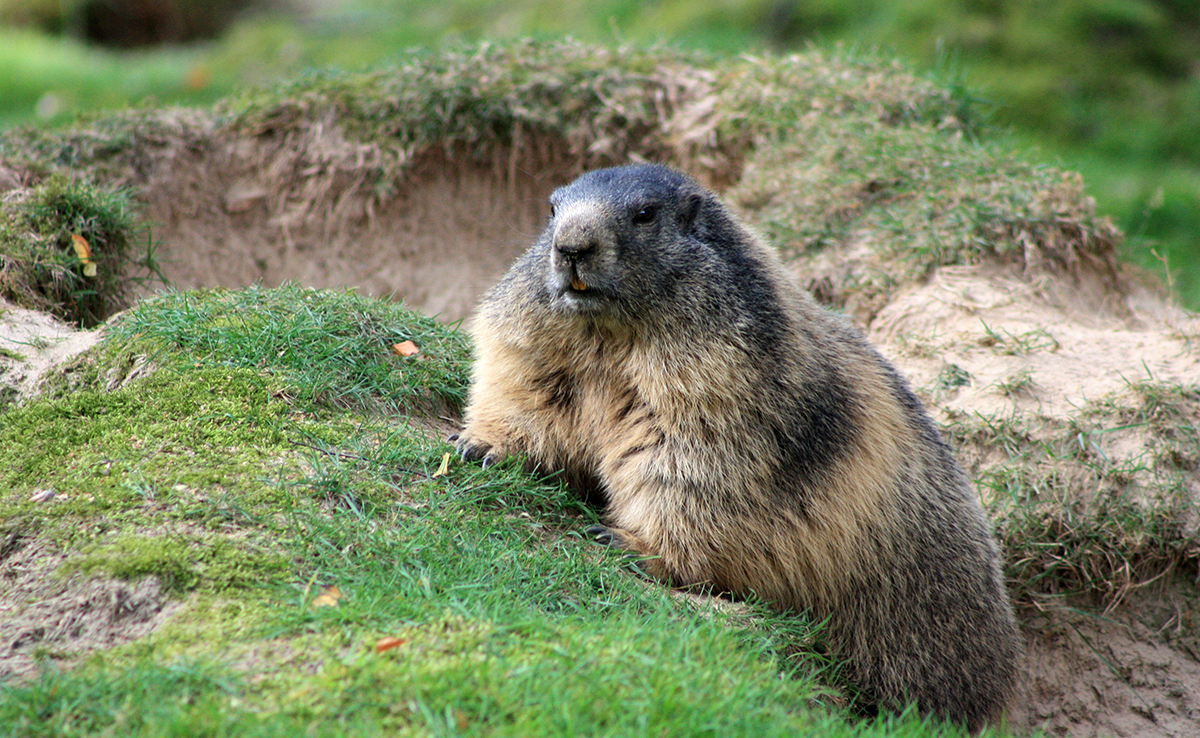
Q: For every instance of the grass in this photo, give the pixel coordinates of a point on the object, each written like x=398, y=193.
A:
x=296, y=507
x=1096, y=505
x=72, y=249
x=47, y=79
x=260, y=450
x=336, y=348
x=249, y=483
x=1154, y=202
x=1099, y=87
x=1016, y=384
x=870, y=154
x=1006, y=343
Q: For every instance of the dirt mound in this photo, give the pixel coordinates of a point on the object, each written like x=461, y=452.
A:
x=42, y=614
x=423, y=181
x=1039, y=346
x=1071, y=390
x=1055, y=394
x=437, y=244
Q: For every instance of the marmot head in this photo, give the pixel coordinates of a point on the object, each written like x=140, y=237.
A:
x=621, y=240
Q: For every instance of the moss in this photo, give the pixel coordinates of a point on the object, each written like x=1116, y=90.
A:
x=180, y=561
x=330, y=348
x=194, y=456
x=189, y=466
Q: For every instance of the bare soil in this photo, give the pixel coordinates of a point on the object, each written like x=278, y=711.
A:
x=1038, y=346
x=32, y=343
x=437, y=244
x=44, y=615
x=1134, y=672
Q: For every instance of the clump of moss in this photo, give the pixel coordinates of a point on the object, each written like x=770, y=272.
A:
x=180, y=562
x=69, y=248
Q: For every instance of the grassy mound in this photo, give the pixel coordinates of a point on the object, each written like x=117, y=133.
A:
x=70, y=249
x=847, y=157
x=335, y=579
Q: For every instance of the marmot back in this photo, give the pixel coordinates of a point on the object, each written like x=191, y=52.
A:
x=743, y=437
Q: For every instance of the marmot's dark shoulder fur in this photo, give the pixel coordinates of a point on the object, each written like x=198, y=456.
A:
x=743, y=436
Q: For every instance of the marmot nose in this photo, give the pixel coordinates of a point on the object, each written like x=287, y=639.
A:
x=574, y=248
x=576, y=235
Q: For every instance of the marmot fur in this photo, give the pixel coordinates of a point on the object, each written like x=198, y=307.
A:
x=743, y=437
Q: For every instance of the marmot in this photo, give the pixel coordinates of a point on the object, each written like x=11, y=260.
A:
x=743, y=437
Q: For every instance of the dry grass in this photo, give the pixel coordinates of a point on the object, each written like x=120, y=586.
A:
x=1100, y=504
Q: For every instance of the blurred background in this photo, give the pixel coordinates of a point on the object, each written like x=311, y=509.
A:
x=1109, y=88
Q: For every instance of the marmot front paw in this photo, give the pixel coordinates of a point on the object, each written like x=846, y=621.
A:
x=473, y=449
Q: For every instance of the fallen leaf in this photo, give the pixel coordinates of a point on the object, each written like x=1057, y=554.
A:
x=196, y=78
x=444, y=468
x=387, y=644
x=405, y=348
x=84, y=252
x=328, y=598
x=81, y=247
x=460, y=719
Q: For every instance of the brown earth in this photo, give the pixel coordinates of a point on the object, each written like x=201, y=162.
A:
x=42, y=614
x=1039, y=346
x=437, y=244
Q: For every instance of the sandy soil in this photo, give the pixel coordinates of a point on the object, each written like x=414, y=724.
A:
x=1127, y=674
x=1073, y=342
x=32, y=343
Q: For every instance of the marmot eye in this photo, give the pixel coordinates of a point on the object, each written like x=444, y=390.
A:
x=551, y=210
x=645, y=215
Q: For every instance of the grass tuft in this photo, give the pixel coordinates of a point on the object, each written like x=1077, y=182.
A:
x=42, y=267
x=1096, y=505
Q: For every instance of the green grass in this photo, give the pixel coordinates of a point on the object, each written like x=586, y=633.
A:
x=73, y=249
x=252, y=470
x=49, y=79
x=332, y=348
x=1007, y=343
x=249, y=481
x=1099, y=87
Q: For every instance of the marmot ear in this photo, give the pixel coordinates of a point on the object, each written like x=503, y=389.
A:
x=689, y=208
